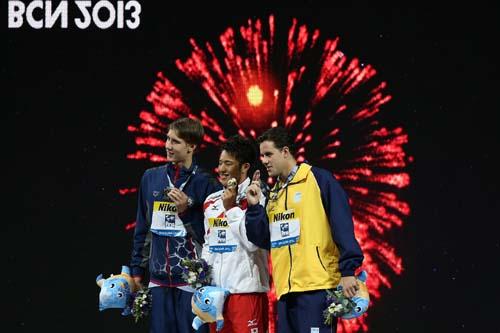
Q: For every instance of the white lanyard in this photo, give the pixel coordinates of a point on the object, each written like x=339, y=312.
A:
x=171, y=185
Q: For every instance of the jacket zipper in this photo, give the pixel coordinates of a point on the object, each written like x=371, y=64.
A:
x=167, y=264
x=289, y=248
x=220, y=270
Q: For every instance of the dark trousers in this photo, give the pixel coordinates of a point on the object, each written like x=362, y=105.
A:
x=302, y=312
x=171, y=311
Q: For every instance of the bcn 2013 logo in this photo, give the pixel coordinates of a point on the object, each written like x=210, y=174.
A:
x=104, y=14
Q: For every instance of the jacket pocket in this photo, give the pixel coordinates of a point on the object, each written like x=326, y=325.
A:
x=157, y=260
x=319, y=258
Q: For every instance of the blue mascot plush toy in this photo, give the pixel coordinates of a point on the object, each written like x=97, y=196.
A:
x=116, y=291
x=207, y=304
x=362, y=298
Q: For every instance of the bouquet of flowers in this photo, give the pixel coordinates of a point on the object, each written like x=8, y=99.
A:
x=141, y=304
x=337, y=305
x=196, y=272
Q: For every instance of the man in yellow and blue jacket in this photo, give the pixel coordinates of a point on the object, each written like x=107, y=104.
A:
x=307, y=225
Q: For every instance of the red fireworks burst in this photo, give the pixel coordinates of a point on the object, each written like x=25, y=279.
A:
x=259, y=78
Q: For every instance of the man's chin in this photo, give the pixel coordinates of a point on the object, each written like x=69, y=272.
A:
x=223, y=181
x=173, y=160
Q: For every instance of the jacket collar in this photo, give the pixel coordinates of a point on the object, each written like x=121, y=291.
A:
x=242, y=188
x=183, y=171
x=300, y=175
x=302, y=172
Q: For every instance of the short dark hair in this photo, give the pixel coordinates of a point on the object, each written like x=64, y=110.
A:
x=189, y=130
x=280, y=137
x=242, y=149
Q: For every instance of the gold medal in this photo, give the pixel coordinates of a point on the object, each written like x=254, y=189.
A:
x=232, y=183
x=166, y=192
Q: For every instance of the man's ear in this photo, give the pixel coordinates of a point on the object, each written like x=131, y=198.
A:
x=245, y=167
x=191, y=147
x=286, y=152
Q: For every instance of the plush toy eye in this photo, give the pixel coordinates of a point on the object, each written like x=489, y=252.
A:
x=207, y=300
x=357, y=309
x=112, y=285
x=201, y=290
x=120, y=294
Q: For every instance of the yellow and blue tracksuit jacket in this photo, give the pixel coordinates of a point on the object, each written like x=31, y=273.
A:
x=326, y=249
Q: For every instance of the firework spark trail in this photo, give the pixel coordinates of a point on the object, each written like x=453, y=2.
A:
x=338, y=126
x=124, y=191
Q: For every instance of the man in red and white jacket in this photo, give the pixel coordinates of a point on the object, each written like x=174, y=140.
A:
x=237, y=264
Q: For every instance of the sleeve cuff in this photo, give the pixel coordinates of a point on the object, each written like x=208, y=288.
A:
x=347, y=273
x=137, y=272
x=253, y=208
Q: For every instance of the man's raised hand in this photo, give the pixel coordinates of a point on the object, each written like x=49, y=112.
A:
x=254, y=191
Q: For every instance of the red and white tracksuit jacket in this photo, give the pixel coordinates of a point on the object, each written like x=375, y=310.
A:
x=241, y=267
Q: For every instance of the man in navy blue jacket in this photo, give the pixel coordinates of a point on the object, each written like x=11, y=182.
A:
x=169, y=226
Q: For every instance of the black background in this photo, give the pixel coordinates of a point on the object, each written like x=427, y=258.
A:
x=71, y=94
